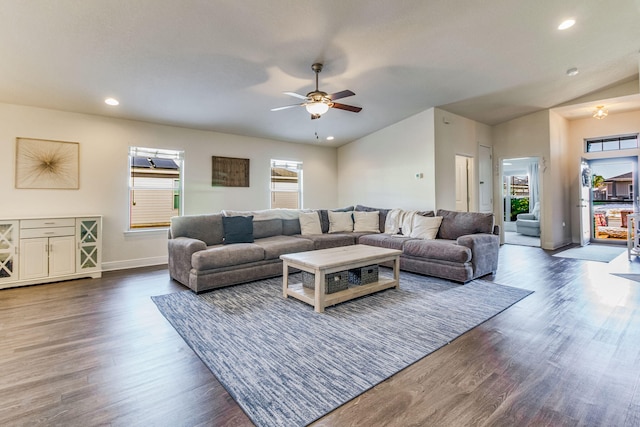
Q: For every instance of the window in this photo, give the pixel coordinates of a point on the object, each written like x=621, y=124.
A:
x=155, y=187
x=624, y=142
x=286, y=184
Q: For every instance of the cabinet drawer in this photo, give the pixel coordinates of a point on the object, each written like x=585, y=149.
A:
x=48, y=222
x=30, y=233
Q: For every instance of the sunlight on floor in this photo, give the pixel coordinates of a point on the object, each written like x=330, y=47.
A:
x=607, y=289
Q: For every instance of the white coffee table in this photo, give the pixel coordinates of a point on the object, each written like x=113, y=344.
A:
x=326, y=261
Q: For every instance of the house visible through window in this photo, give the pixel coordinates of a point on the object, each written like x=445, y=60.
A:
x=286, y=184
x=155, y=186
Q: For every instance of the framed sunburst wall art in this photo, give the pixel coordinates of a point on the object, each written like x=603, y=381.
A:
x=45, y=164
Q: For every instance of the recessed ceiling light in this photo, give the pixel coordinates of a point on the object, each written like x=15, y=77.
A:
x=572, y=72
x=329, y=138
x=567, y=23
x=111, y=101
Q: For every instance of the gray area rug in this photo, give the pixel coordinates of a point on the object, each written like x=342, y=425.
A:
x=286, y=365
x=628, y=276
x=600, y=253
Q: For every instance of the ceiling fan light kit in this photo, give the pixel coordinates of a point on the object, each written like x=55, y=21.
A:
x=317, y=107
x=318, y=102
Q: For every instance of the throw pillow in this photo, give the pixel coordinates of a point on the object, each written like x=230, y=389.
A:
x=340, y=222
x=383, y=214
x=366, y=222
x=425, y=227
x=394, y=221
x=237, y=229
x=324, y=217
x=310, y=223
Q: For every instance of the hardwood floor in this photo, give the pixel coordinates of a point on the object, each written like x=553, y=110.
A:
x=98, y=352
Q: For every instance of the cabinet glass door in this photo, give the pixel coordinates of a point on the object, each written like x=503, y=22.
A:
x=8, y=241
x=88, y=252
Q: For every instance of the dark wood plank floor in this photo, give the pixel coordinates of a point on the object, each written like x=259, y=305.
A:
x=97, y=352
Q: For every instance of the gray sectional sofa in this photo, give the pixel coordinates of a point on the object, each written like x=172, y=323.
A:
x=466, y=245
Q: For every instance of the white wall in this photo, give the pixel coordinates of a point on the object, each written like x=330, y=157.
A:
x=526, y=136
x=559, y=217
x=379, y=169
x=456, y=135
x=103, y=189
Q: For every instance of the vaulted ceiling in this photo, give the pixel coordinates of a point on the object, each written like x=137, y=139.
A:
x=222, y=65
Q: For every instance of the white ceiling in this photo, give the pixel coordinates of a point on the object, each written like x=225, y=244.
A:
x=222, y=65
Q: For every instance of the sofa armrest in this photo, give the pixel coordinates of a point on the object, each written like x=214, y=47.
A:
x=180, y=251
x=526, y=216
x=484, y=252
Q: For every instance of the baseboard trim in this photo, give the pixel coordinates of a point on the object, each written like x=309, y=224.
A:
x=134, y=263
x=552, y=246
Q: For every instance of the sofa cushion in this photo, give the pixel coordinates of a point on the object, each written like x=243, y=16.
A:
x=425, y=227
x=434, y=249
x=264, y=214
x=366, y=222
x=278, y=245
x=456, y=224
x=382, y=213
x=290, y=227
x=237, y=229
x=310, y=223
x=324, y=217
x=326, y=241
x=227, y=255
x=389, y=241
x=267, y=228
x=340, y=222
x=207, y=228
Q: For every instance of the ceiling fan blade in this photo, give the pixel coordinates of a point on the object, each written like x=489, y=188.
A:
x=285, y=107
x=339, y=95
x=295, y=95
x=346, y=107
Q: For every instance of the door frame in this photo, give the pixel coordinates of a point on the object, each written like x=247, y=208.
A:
x=633, y=159
x=501, y=195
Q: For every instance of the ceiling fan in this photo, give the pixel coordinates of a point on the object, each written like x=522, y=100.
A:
x=317, y=102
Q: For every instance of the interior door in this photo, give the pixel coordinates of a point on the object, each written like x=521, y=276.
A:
x=584, y=202
x=485, y=202
x=462, y=184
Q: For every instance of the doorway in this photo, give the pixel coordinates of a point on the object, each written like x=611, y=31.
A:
x=612, y=197
x=521, y=201
x=464, y=184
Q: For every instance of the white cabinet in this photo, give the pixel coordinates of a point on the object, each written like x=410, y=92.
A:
x=41, y=250
x=47, y=257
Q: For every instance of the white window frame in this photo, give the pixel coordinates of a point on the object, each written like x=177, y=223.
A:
x=286, y=164
x=155, y=153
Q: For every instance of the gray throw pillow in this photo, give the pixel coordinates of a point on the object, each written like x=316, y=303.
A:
x=237, y=229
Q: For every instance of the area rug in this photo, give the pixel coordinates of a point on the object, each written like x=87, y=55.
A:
x=287, y=365
x=600, y=253
x=628, y=276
